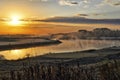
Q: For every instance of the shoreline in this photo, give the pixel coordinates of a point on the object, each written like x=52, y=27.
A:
x=28, y=44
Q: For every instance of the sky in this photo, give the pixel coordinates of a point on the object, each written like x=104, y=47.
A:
x=64, y=15
x=51, y=8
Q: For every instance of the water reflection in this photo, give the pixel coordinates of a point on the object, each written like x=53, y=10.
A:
x=66, y=46
x=13, y=54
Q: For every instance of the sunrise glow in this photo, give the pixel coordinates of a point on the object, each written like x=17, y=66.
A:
x=15, y=20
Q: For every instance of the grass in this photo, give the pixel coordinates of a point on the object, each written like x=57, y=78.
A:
x=109, y=70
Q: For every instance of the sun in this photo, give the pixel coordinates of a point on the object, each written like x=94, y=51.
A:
x=15, y=20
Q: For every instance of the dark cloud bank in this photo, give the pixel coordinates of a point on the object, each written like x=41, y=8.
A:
x=81, y=20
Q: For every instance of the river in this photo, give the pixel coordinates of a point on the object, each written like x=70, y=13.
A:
x=65, y=46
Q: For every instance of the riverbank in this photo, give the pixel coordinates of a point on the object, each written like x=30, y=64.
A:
x=26, y=43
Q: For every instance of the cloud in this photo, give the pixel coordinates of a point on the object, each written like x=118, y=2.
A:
x=87, y=15
x=112, y=2
x=96, y=14
x=85, y=3
x=68, y=2
x=82, y=20
x=82, y=15
x=39, y=0
x=117, y=4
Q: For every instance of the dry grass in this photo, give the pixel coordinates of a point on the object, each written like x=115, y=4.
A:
x=62, y=71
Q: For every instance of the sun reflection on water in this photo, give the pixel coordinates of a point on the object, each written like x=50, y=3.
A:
x=14, y=54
